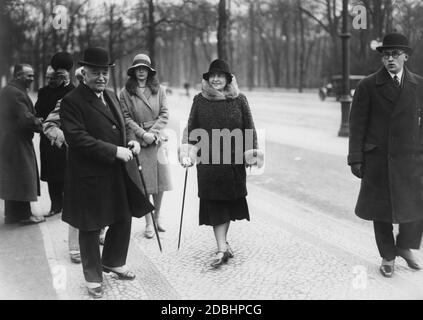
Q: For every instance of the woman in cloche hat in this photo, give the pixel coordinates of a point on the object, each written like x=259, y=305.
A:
x=221, y=186
x=144, y=105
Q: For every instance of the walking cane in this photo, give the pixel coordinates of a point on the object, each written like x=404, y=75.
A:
x=145, y=191
x=182, y=210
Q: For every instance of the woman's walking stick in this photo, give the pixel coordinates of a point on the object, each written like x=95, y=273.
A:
x=146, y=194
x=183, y=203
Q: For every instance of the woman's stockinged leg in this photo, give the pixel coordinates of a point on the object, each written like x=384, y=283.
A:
x=220, y=232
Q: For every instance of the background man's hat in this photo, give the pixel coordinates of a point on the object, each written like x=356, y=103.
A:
x=395, y=41
x=220, y=66
x=140, y=60
x=62, y=60
x=96, y=57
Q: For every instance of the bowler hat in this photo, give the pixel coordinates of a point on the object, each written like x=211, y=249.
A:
x=96, y=57
x=140, y=60
x=221, y=66
x=62, y=60
x=395, y=41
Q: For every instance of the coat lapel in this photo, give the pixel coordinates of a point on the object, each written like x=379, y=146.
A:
x=408, y=93
x=385, y=87
x=144, y=96
x=114, y=104
x=97, y=104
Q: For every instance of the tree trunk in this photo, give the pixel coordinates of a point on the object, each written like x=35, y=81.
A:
x=302, y=50
x=222, y=32
x=151, y=38
x=252, y=51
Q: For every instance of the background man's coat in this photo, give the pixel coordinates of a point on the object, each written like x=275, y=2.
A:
x=53, y=159
x=100, y=189
x=19, y=179
x=386, y=135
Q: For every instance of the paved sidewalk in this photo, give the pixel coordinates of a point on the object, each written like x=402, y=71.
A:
x=289, y=249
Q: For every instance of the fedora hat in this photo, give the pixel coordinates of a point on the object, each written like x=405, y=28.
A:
x=140, y=60
x=395, y=41
x=96, y=57
x=220, y=66
x=62, y=60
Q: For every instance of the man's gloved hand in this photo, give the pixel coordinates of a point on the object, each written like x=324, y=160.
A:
x=134, y=146
x=357, y=170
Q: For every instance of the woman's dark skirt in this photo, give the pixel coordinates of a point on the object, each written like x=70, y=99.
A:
x=216, y=212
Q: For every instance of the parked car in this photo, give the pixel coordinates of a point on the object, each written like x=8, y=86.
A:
x=334, y=87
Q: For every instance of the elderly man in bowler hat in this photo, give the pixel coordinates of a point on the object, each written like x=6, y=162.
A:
x=102, y=186
x=386, y=153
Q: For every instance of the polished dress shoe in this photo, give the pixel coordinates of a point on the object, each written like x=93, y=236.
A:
x=387, y=268
x=125, y=275
x=408, y=256
x=75, y=257
x=52, y=213
x=96, y=292
x=229, y=250
x=220, y=258
x=33, y=220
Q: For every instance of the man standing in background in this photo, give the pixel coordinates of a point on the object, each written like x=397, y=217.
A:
x=19, y=181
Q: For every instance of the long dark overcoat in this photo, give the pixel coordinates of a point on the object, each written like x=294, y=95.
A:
x=222, y=181
x=52, y=158
x=19, y=179
x=386, y=135
x=99, y=189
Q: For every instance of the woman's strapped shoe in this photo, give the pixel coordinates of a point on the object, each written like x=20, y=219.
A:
x=221, y=258
x=229, y=250
x=125, y=275
x=149, y=231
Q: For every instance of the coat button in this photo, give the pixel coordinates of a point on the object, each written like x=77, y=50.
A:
x=113, y=127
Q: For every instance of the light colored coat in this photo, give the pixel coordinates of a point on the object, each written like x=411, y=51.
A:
x=148, y=112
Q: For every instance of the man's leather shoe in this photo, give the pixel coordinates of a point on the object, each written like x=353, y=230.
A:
x=408, y=256
x=96, y=292
x=126, y=275
x=387, y=268
x=33, y=220
x=52, y=213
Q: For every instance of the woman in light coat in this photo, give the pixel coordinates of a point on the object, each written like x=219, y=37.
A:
x=145, y=109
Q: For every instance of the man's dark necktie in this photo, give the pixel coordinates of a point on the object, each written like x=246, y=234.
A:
x=396, y=81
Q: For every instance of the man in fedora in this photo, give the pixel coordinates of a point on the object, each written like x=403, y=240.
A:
x=102, y=186
x=386, y=153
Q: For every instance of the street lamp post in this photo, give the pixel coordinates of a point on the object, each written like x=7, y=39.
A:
x=346, y=96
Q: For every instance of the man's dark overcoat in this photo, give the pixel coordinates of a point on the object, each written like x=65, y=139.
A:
x=386, y=135
x=99, y=189
x=19, y=179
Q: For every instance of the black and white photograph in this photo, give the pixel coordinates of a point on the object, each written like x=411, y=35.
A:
x=211, y=155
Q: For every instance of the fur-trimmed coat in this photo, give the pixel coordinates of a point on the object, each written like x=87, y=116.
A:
x=211, y=112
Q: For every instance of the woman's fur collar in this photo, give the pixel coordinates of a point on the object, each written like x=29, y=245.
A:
x=231, y=91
